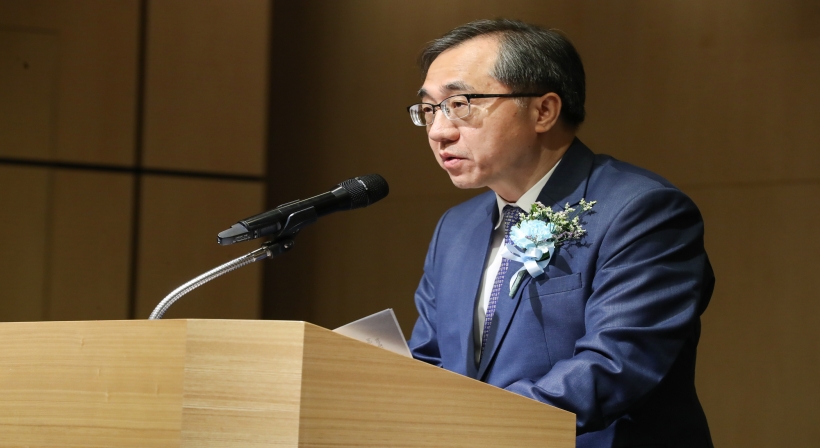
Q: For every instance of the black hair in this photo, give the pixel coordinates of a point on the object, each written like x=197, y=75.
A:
x=530, y=59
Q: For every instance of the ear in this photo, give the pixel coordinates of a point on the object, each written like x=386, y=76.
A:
x=547, y=109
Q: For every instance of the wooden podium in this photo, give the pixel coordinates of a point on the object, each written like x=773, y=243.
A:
x=235, y=383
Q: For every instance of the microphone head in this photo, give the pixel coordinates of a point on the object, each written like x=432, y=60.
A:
x=365, y=190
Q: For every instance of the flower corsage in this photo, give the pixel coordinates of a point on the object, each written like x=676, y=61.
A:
x=538, y=234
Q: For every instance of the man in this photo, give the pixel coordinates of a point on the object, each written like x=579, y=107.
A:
x=609, y=330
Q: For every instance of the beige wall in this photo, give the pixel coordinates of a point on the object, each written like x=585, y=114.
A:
x=719, y=97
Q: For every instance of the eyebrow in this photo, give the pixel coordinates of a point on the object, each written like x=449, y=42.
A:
x=455, y=86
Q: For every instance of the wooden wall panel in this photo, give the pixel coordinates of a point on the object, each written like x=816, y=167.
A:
x=28, y=78
x=206, y=85
x=759, y=357
x=93, y=114
x=90, y=246
x=67, y=93
x=69, y=80
x=705, y=92
x=179, y=222
x=24, y=218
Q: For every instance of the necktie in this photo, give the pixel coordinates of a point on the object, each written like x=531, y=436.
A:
x=512, y=215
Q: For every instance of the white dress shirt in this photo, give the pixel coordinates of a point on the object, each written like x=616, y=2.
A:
x=493, y=262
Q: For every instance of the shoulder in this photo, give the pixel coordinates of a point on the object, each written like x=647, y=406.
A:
x=617, y=183
x=458, y=223
x=624, y=179
x=636, y=205
x=459, y=228
x=478, y=207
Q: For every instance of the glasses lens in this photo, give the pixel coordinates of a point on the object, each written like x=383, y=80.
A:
x=421, y=114
x=456, y=107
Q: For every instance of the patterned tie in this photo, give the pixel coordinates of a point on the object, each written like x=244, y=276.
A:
x=512, y=215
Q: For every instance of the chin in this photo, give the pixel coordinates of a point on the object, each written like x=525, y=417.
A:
x=464, y=184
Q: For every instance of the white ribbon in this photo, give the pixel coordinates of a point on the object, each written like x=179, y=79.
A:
x=529, y=258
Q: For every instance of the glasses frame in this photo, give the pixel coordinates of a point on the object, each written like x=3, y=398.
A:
x=470, y=97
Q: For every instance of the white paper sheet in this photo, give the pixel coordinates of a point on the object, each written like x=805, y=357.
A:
x=380, y=329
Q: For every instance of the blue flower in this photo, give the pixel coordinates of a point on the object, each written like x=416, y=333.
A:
x=532, y=234
x=535, y=239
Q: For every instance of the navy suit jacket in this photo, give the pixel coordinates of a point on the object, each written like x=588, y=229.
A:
x=609, y=331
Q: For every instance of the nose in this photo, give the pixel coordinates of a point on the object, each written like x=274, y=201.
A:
x=442, y=130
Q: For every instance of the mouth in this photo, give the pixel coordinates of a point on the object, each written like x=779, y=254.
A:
x=450, y=161
x=447, y=157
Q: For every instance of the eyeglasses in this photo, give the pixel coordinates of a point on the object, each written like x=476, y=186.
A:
x=456, y=106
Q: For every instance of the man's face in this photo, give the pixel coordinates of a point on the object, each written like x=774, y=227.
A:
x=495, y=146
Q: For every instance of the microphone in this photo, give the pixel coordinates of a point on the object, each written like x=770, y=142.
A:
x=287, y=219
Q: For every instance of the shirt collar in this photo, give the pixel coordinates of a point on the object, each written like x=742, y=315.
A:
x=526, y=200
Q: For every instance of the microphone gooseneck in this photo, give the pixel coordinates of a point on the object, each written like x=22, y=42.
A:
x=268, y=250
x=283, y=222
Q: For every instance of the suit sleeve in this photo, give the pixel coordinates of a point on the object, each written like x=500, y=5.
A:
x=424, y=342
x=651, y=282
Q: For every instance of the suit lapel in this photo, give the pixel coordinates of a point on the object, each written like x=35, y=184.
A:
x=567, y=184
x=504, y=310
x=475, y=255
